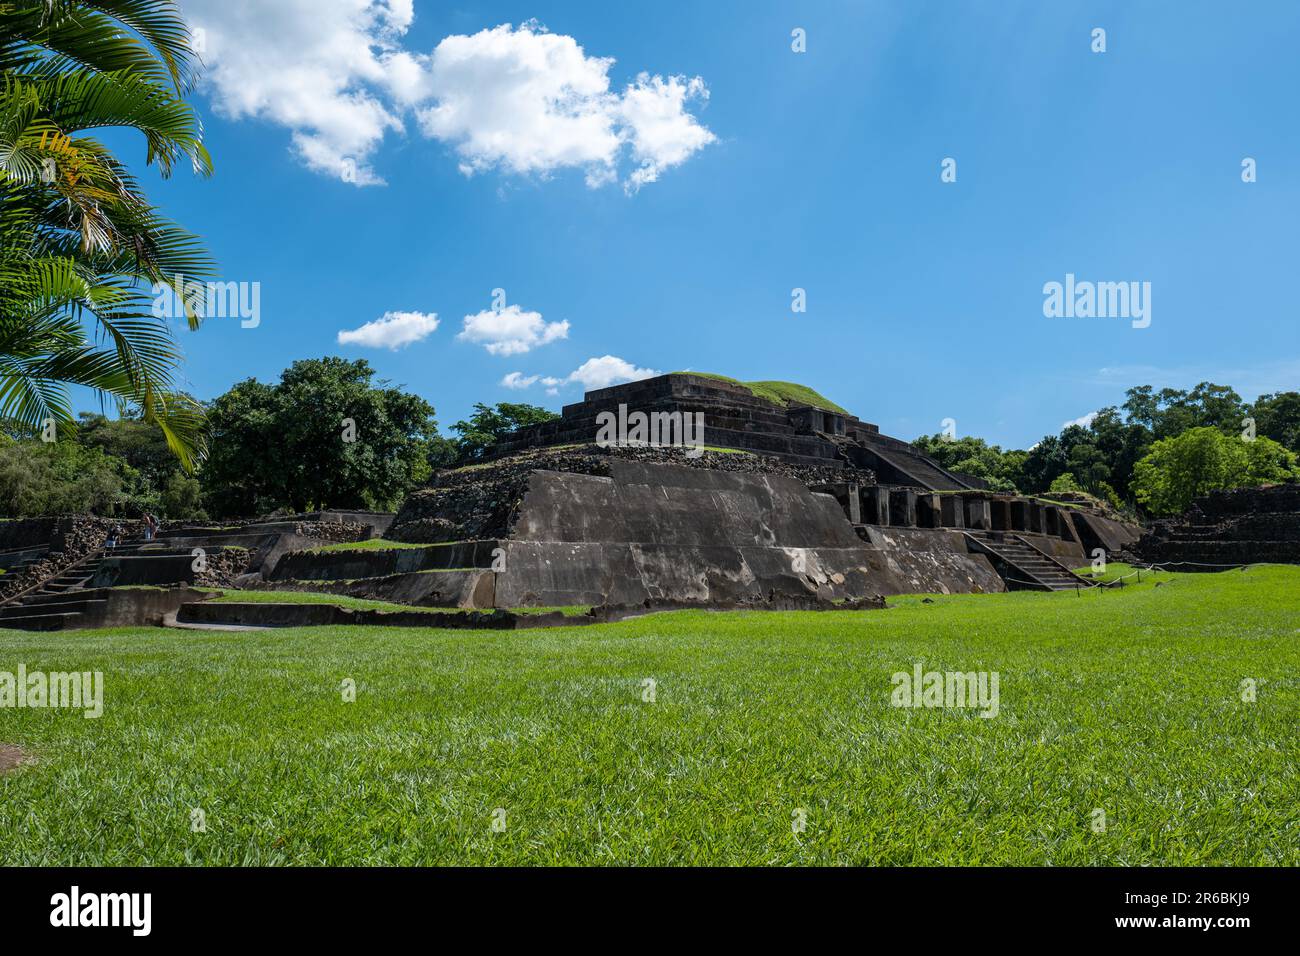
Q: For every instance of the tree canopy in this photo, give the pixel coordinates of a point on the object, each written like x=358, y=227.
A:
x=81, y=248
x=488, y=425
x=1204, y=459
x=325, y=436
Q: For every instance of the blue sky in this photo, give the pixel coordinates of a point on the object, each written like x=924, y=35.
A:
x=924, y=298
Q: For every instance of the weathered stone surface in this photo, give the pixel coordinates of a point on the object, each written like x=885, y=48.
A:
x=158, y=564
x=902, y=508
x=102, y=607
x=606, y=532
x=734, y=417
x=316, y=615
x=27, y=532
x=1070, y=553
x=1082, y=501
x=71, y=539
x=978, y=513
x=482, y=501
x=461, y=588
x=1227, y=528
x=1097, y=531
x=123, y=570
x=329, y=565
x=665, y=532
x=925, y=561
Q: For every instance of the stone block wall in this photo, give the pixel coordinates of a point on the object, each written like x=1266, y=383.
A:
x=1229, y=528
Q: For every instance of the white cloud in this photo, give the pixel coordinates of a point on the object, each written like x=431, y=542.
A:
x=593, y=373
x=529, y=101
x=321, y=69
x=519, y=380
x=394, y=330
x=1083, y=421
x=521, y=100
x=661, y=132
x=511, y=331
x=608, y=370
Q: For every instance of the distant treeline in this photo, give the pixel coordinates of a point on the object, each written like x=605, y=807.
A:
x=1153, y=454
x=328, y=435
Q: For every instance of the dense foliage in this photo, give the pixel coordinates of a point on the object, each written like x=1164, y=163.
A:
x=1204, y=459
x=1103, y=457
x=325, y=436
x=487, y=426
x=109, y=467
x=82, y=251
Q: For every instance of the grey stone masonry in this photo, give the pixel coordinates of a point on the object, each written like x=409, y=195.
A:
x=902, y=507
x=876, y=500
x=954, y=511
x=978, y=515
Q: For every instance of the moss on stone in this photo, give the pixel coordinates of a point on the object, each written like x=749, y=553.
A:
x=778, y=393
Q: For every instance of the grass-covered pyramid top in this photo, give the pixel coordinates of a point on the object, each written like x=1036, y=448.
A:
x=779, y=393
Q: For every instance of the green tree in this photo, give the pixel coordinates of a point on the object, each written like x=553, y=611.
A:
x=324, y=436
x=1269, y=463
x=488, y=425
x=1088, y=466
x=1121, y=445
x=181, y=496
x=1204, y=459
x=1277, y=416
x=441, y=452
x=1172, y=411
x=972, y=456
x=1065, y=482
x=1012, y=469
x=139, y=443
x=80, y=247
x=1044, y=463
x=63, y=477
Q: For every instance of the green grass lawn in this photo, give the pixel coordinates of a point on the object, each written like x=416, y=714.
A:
x=370, y=544
x=1126, y=701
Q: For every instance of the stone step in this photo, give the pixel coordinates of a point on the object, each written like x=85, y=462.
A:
x=1030, y=563
x=38, y=598
x=259, y=614
x=353, y=565
x=42, y=622
x=10, y=611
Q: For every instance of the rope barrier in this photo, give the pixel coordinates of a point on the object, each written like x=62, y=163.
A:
x=1200, y=564
x=1082, y=585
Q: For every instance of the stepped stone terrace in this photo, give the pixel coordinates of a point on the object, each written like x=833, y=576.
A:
x=792, y=502
x=1229, y=528
x=797, y=432
x=881, y=481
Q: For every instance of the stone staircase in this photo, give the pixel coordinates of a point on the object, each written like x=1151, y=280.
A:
x=54, y=604
x=1023, y=566
x=54, y=611
x=17, y=560
x=909, y=467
